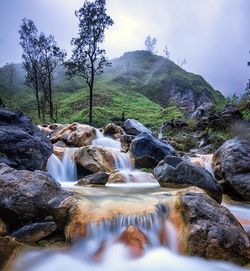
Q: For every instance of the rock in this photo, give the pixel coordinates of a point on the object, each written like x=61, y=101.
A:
x=99, y=178
x=22, y=144
x=176, y=172
x=223, y=119
x=231, y=163
x=148, y=151
x=34, y=232
x=94, y=159
x=134, y=127
x=134, y=239
x=202, y=111
x=9, y=250
x=3, y=228
x=27, y=196
x=75, y=134
x=126, y=141
x=113, y=130
x=208, y=229
x=131, y=177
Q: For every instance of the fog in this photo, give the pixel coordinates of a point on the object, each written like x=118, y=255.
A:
x=212, y=35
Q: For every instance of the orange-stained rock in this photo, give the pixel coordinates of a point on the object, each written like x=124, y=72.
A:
x=135, y=240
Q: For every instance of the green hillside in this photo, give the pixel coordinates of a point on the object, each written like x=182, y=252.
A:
x=147, y=87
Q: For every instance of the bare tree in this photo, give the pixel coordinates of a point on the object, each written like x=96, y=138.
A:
x=150, y=44
x=166, y=52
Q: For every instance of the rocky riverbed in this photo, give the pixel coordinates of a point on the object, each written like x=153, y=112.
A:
x=80, y=192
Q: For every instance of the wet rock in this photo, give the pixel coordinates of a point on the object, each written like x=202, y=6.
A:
x=34, y=232
x=209, y=230
x=126, y=141
x=134, y=127
x=113, y=130
x=27, y=196
x=134, y=239
x=75, y=134
x=9, y=250
x=94, y=159
x=3, y=228
x=131, y=177
x=22, y=144
x=99, y=178
x=148, y=151
x=202, y=110
x=177, y=172
x=231, y=163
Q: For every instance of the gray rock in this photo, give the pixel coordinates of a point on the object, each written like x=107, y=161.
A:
x=27, y=196
x=134, y=127
x=148, y=150
x=209, y=230
x=34, y=232
x=231, y=163
x=22, y=144
x=177, y=172
x=99, y=178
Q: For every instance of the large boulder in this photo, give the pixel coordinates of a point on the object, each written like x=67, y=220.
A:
x=27, y=196
x=134, y=127
x=75, y=134
x=208, y=229
x=94, y=159
x=148, y=150
x=177, y=172
x=22, y=144
x=231, y=163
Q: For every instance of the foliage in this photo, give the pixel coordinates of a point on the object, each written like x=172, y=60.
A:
x=150, y=44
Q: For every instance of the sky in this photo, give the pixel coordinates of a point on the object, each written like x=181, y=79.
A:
x=212, y=35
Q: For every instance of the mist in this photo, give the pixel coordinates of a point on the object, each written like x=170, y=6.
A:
x=212, y=35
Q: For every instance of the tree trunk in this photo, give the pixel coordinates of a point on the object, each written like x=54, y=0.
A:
x=91, y=104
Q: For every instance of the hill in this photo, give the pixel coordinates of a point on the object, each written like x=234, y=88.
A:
x=147, y=87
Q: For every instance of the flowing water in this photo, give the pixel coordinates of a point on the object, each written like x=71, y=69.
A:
x=62, y=170
x=112, y=210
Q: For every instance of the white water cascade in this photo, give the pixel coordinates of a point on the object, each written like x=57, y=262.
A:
x=101, y=250
x=62, y=170
x=123, y=164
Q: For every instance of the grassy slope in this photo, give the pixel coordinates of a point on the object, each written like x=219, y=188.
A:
x=134, y=85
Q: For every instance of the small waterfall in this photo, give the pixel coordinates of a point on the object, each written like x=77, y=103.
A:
x=105, y=141
x=160, y=134
x=205, y=161
x=62, y=170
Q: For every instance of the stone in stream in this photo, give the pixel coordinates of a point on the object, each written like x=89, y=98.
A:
x=10, y=248
x=26, y=196
x=134, y=127
x=99, y=178
x=177, y=172
x=34, y=232
x=208, y=229
x=134, y=239
x=231, y=163
x=113, y=130
x=22, y=144
x=75, y=134
x=126, y=141
x=147, y=150
x=94, y=159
